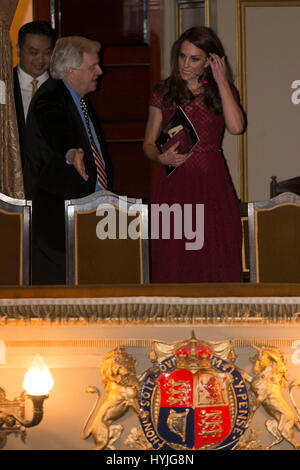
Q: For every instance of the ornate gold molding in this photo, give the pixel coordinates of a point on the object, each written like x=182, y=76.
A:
x=108, y=343
x=151, y=311
x=207, y=13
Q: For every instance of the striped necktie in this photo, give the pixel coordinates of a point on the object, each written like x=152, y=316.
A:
x=101, y=173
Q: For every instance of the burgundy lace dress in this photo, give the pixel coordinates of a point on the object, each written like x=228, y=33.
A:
x=202, y=179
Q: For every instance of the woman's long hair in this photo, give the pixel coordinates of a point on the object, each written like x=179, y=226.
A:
x=174, y=88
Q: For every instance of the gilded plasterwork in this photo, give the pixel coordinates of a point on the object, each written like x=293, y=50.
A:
x=153, y=310
x=194, y=397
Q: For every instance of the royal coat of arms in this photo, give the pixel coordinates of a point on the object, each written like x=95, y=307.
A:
x=193, y=399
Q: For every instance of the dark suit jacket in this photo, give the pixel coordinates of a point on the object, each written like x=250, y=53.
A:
x=53, y=127
x=19, y=112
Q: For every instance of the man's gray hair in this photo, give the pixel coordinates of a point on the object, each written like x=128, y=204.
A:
x=68, y=53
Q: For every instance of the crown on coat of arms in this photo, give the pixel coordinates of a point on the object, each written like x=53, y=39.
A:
x=193, y=356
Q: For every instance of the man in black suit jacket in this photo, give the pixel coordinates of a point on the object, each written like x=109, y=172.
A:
x=59, y=163
x=34, y=48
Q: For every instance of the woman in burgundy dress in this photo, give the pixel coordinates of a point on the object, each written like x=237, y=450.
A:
x=201, y=247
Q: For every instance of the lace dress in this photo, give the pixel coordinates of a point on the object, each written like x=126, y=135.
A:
x=202, y=179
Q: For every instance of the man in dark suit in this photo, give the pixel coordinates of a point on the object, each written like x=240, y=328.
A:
x=34, y=48
x=59, y=161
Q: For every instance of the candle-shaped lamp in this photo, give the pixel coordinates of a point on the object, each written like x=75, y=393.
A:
x=37, y=382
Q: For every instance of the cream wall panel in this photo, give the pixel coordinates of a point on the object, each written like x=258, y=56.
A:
x=273, y=140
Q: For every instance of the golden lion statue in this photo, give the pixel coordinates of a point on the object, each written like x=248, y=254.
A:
x=121, y=393
x=270, y=367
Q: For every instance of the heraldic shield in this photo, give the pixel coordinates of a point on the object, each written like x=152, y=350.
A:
x=195, y=408
x=198, y=401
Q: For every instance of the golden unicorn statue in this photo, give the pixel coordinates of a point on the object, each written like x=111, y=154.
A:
x=270, y=369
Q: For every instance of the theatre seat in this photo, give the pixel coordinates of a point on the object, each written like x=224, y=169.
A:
x=106, y=240
x=274, y=239
x=15, y=228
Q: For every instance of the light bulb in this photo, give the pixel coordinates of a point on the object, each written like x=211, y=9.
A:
x=38, y=379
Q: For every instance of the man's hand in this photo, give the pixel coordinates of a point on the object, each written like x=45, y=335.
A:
x=75, y=157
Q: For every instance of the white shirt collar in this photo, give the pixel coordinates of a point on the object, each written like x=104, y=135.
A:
x=26, y=79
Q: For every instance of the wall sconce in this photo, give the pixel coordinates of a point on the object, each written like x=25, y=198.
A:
x=37, y=383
